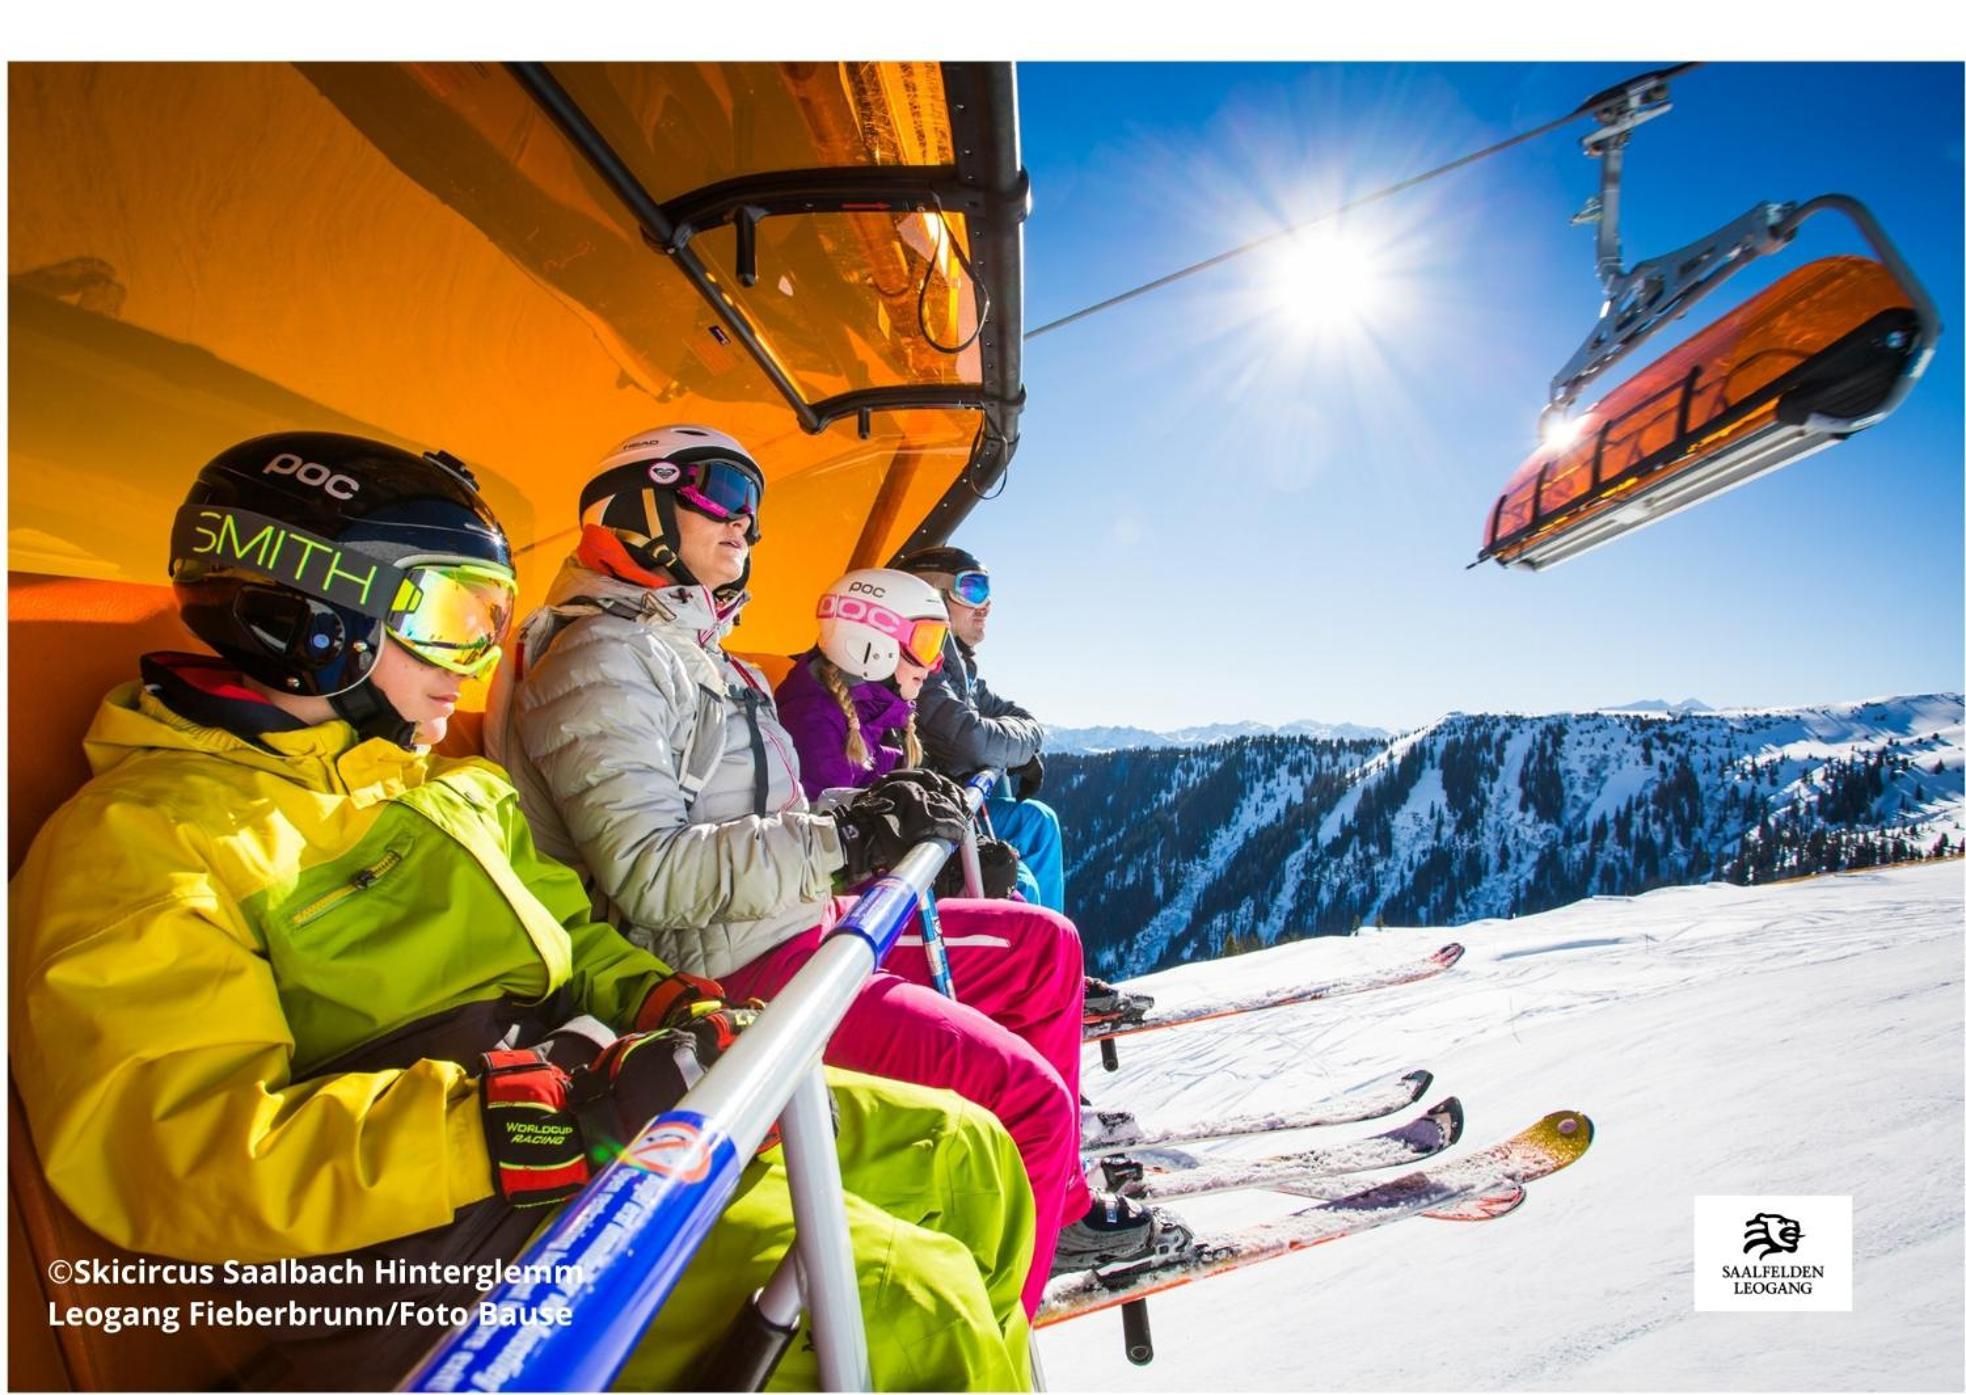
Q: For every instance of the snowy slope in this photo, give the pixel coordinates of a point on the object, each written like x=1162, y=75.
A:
x=1800, y=1038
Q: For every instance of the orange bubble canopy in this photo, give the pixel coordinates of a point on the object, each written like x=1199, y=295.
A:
x=1813, y=358
x=519, y=264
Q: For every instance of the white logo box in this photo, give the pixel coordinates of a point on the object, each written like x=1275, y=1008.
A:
x=1729, y=1276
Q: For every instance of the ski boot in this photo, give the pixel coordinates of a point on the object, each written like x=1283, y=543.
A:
x=1105, y=1002
x=1119, y=1232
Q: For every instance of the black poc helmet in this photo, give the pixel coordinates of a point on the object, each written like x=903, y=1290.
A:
x=952, y=560
x=291, y=550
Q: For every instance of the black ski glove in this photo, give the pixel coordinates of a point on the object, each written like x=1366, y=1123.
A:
x=933, y=780
x=1029, y=777
x=878, y=828
x=999, y=863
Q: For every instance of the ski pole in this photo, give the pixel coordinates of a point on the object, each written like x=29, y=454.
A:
x=934, y=948
x=972, y=864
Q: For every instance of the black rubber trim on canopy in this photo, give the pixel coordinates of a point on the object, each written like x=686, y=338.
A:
x=983, y=118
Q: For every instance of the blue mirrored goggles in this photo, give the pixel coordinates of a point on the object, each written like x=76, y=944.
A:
x=971, y=588
x=721, y=490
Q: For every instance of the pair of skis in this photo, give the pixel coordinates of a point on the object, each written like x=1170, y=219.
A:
x=1477, y=1186
x=1107, y=1028
x=1147, y=1162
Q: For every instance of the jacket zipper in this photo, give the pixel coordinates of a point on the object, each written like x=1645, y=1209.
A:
x=361, y=881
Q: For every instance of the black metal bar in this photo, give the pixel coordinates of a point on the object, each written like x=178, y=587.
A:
x=987, y=184
x=852, y=189
x=747, y=247
x=749, y=1352
x=1685, y=420
x=907, y=397
x=559, y=105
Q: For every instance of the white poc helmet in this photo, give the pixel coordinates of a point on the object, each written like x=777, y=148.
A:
x=868, y=618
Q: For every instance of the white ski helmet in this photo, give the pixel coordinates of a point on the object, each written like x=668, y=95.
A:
x=869, y=617
x=638, y=485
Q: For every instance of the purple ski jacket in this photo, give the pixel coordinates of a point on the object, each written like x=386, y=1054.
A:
x=818, y=728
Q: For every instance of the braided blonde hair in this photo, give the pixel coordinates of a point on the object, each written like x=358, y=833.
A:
x=833, y=678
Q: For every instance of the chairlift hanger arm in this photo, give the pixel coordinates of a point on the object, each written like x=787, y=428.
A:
x=1641, y=301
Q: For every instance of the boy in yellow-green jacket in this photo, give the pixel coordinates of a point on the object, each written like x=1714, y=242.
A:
x=282, y=980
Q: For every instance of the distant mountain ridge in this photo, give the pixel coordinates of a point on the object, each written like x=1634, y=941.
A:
x=1675, y=709
x=1178, y=852
x=1091, y=740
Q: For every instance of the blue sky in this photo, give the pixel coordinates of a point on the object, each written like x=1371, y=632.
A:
x=1216, y=514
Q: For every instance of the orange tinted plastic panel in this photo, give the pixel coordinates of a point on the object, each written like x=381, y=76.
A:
x=204, y=252
x=842, y=302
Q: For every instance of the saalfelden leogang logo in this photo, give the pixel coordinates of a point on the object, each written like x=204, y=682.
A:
x=1773, y=1254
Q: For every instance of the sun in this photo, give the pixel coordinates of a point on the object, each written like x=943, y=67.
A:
x=1326, y=281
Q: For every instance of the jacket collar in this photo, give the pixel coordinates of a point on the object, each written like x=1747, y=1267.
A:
x=198, y=702
x=690, y=609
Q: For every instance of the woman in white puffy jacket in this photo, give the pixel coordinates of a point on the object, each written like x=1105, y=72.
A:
x=654, y=762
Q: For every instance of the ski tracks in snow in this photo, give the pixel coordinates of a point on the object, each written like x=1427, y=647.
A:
x=1800, y=1038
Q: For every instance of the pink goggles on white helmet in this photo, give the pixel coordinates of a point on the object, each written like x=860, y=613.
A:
x=921, y=640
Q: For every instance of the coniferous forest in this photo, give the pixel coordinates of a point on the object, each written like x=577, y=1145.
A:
x=1179, y=854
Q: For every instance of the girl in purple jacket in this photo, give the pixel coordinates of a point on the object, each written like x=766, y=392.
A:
x=849, y=702
x=849, y=706
x=851, y=729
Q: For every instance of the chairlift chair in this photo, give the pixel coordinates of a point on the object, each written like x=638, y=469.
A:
x=1830, y=349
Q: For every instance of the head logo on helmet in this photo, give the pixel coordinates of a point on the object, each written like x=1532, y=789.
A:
x=312, y=473
x=639, y=485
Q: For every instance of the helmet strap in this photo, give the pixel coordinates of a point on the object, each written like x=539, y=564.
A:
x=368, y=709
x=671, y=539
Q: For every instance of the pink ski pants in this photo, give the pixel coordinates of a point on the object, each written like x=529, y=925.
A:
x=1009, y=1042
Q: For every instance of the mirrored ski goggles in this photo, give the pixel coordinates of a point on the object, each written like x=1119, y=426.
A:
x=971, y=588
x=920, y=640
x=454, y=614
x=721, y=490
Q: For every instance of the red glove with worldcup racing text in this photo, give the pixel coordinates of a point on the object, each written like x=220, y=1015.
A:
x=549, y=1130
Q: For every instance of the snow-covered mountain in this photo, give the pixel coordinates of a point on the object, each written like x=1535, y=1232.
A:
x=1091, y=740
x=1671, y=709
x=1180, y=853
x=1802, y=1038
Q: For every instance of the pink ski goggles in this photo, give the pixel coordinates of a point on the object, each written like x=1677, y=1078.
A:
x=717, y=489
x=920, y=640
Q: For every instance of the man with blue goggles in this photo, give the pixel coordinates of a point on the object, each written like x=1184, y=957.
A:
x=965, y=727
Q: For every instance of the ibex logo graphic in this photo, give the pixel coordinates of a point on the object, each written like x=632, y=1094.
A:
x=1772, y=1234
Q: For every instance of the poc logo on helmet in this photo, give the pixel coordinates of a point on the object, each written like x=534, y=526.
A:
x=866, y=589
x=309, y=472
